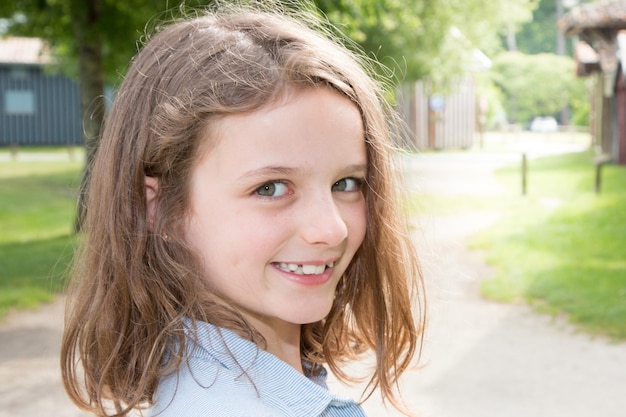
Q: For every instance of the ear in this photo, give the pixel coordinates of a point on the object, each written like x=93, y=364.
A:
x=152, y=191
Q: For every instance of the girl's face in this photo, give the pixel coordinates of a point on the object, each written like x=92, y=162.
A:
x=277, y=207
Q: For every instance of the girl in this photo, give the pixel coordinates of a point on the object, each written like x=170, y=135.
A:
x=242, y=230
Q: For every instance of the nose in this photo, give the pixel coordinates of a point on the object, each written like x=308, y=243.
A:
x=322, y=222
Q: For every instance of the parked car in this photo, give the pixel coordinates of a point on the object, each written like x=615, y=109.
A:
x=544, y=124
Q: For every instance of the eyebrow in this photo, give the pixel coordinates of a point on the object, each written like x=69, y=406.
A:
x=355, y=169
x=272, y=171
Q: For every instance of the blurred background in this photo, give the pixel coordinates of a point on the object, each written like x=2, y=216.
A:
x=515, y=161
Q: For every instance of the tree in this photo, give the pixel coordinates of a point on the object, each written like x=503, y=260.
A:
x=540, y=34
x=419, y=38
x=402, y=34
x=93, y=40
x=536, y=85
x=481, y=21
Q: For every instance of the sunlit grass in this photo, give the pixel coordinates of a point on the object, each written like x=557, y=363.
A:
x=562, y=247
x=37, y=207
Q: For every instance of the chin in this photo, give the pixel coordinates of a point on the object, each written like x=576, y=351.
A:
x=311, y=316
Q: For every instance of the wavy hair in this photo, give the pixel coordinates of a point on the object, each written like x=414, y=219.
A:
x=134, y=282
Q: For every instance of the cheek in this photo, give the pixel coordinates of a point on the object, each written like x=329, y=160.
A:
x=357, y=223
x=232, y=239
x=205, y=233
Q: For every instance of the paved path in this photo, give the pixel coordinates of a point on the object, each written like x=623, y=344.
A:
x=485, y=359
x=30, y=381
x=481, y=359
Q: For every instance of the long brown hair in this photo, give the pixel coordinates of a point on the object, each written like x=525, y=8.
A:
x=134, y=282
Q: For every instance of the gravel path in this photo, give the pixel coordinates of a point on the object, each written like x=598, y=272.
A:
x=481, y=359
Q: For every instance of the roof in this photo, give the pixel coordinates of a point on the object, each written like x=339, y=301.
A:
x=585, y=53
x=587, y=59
x=621, y=48
x=598, y=15
x=18, y=50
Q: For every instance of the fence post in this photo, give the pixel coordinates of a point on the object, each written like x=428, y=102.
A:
x=14, y=151
x=599, y=161
x=524, y=173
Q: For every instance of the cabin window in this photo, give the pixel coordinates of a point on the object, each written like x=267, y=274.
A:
x=19, y=102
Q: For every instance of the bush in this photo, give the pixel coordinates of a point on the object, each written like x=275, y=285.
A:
x=539, y=85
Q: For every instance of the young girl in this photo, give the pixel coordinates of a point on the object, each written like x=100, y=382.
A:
x=242, y=230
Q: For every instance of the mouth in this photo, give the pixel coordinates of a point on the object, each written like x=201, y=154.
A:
x=304, y=269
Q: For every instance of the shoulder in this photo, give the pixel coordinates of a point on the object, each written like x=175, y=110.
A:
x=225, y=375
x=206, y=388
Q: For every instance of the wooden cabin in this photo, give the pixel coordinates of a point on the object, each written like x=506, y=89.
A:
x=600, y=52
x=37, y=106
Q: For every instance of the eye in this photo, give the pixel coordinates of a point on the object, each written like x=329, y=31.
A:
x=273, y=189
x=348, y=185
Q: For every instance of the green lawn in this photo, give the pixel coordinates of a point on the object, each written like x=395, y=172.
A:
x=37, y=206
x=560, y=248
x=563, y=248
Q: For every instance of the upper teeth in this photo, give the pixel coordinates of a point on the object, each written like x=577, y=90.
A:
x=304, y=269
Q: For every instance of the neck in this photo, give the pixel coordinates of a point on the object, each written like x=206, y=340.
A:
x=283, y=341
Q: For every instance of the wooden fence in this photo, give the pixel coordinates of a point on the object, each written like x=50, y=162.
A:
x=439, y=121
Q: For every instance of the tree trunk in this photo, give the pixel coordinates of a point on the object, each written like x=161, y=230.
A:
x=560, y=36
x=86, y=16
x=511, y=42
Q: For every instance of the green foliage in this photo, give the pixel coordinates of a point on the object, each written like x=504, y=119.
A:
x=403, y=35
x=406, y=35
x=481, y=21
x=422, y=39
x=580, y=102
x=37, y=204
x=120, y=24
x=540, y=33
x=535, y=85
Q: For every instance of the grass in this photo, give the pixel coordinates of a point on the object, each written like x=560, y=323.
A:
x=37, y=206
x=562, y=248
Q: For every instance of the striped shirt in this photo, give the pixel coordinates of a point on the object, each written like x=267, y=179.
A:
x=256, y=384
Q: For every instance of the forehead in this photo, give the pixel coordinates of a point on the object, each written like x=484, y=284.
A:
x=305, y=127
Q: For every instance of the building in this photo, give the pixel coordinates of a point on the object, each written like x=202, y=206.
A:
x=37, y=106
x=600, y=53
x=447, y=120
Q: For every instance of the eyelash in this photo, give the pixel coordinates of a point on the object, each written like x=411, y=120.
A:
x=271, y=186
x=358, y=184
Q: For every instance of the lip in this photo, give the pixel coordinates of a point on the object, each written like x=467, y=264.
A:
x=308, y=280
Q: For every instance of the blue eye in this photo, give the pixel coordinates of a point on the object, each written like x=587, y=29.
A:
x=272, y=189
x=348, y=185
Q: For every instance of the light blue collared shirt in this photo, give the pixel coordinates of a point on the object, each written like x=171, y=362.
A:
x=257, y=384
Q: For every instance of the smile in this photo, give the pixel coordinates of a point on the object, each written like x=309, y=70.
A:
x=304, y=269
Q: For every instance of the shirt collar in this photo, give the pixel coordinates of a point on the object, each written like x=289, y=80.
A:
x=274, y=379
